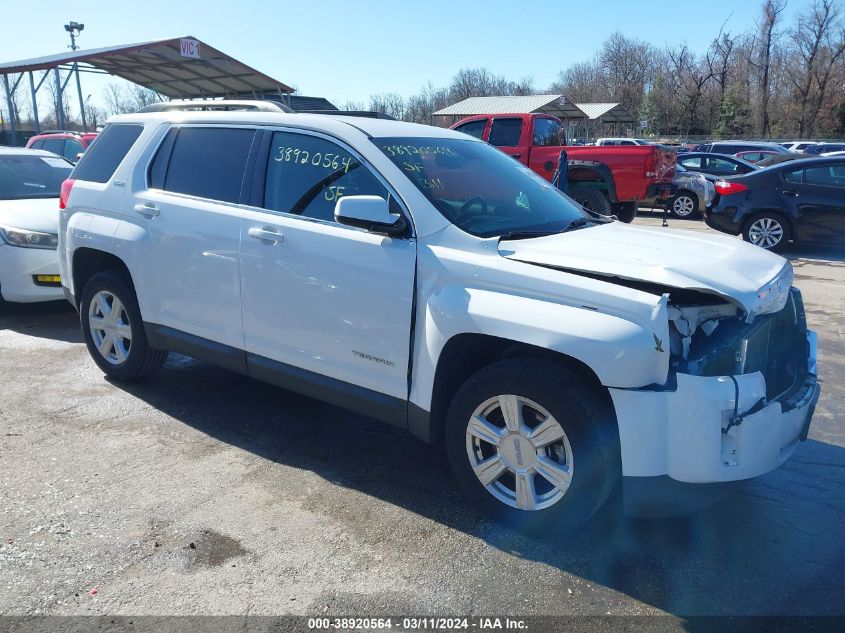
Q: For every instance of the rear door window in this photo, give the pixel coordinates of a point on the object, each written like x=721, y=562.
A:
x=72, y=148
x=473, y=128
x=53, y=145
x=108, y=150
x=505, y=132
x=546, y=132
x=691, y=163
x=209, y=162
x=826, y=176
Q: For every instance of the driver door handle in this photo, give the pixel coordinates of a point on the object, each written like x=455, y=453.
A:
x=266, y=235
x=148, y=209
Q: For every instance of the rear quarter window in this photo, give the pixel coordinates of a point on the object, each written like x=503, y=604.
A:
x=106, y=152
x=473, y=128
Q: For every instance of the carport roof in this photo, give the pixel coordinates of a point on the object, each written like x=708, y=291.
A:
x=170, y=67
x=556, y=105
x=608, y=112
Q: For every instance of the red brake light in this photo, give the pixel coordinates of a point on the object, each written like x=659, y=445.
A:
x=64, y=194
x=727, y=187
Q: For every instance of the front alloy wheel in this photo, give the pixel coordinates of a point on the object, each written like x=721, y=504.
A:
x=111, y=331
x=519, y=452
x=515, y=431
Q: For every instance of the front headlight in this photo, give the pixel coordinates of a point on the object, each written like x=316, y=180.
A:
x=28, y=239
x=774, y=294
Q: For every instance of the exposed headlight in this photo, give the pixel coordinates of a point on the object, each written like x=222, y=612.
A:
x=28, y=239
x=774, y=294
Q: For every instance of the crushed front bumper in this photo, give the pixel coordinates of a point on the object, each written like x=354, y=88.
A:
x=686, y=434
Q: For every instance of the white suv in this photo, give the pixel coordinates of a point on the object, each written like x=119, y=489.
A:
x=422, y=277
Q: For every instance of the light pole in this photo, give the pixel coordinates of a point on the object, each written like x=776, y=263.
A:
x=74, y=29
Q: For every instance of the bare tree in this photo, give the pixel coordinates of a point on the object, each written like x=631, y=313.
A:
x=762, y=59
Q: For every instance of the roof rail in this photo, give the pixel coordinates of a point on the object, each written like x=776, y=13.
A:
x=216, y=105
x=77, y=132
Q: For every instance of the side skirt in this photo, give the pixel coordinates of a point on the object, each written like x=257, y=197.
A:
x=337, y=392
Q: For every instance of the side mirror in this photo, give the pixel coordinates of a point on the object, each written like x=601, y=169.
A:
x=369, y=212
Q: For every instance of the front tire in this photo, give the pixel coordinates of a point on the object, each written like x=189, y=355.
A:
x=113, y=329
x=532, y=445
x=768, y=230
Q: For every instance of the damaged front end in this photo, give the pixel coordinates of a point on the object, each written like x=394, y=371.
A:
x=718, y=338
x=740, y=392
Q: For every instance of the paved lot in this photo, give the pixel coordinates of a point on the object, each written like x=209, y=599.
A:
x=206, y=492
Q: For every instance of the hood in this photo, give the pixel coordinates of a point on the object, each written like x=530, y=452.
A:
x=723, y=266
x=37, y=214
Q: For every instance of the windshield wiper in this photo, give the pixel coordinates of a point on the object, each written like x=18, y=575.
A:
x=579, y=222
x=524, y=235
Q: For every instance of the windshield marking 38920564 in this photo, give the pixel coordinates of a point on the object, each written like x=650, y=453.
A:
x=481, y=190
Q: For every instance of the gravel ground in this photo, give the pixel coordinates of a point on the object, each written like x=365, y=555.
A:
x=204, y=492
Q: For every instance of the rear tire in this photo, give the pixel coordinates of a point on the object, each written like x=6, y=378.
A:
x=113, y=329
x=555, y=462
x=768, y=230
x=625, y=211
x=684, y=205
x=590, y=198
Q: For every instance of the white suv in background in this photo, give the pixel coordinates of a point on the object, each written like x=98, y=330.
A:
x=424, y=278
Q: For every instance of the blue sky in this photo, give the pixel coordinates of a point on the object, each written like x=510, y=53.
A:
x=349, y=50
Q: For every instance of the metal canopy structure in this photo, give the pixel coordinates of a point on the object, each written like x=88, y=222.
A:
x=178, y=68
x=606, y=112
x=557, y=105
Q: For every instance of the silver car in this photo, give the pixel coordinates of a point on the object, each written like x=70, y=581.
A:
x=694, y=192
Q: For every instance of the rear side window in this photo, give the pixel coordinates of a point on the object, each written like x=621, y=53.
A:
x=473, y=128
x=209, y=162
x=37, y=145
x=505, y=132
x=99, y=163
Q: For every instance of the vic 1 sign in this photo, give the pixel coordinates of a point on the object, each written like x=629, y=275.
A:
x=189, y=48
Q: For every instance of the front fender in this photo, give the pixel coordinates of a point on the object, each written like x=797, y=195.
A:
x=621, y=353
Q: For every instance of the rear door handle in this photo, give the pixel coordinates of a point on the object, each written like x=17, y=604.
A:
x=794, y=194
x=148, y=209
x=516, y=155
x=266, y=235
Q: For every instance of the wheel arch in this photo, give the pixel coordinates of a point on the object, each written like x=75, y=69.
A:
x=583, y=172
x=87, y=262
x=467, y=353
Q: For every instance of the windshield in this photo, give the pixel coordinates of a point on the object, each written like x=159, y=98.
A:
x=480, y=189
x=23, y=176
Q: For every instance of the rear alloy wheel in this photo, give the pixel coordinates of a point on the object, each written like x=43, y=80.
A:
x=684, y=205
x=767, y=230
x=532, y=445
x=113, y=329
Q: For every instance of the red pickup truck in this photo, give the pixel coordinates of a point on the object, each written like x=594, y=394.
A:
x=609, y=180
